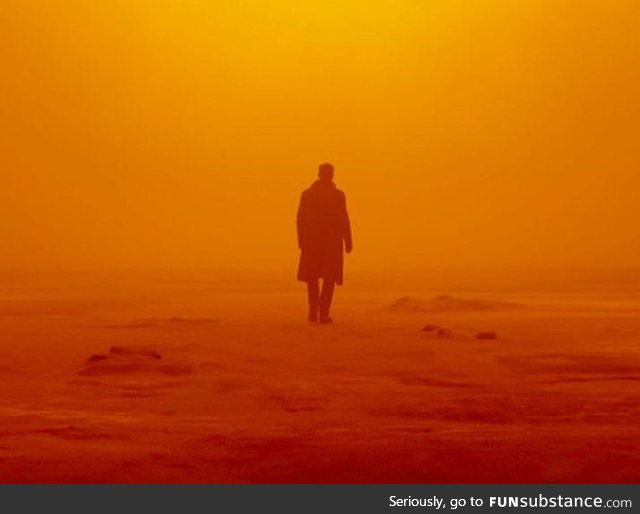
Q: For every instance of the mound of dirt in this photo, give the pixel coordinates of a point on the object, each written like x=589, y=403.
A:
x=125, y=360
x=446, y=303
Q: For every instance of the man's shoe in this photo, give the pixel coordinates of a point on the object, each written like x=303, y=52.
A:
x=313, y=316
x=326, y=321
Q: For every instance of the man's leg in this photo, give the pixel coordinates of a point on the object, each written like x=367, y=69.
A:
x=325, y=300
x=313, y=291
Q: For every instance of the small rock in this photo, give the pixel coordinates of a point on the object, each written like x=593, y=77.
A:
x=430, y=328
x=486, y=335
x=444, y=332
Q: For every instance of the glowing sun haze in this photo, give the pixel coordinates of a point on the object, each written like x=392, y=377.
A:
x=466, y=134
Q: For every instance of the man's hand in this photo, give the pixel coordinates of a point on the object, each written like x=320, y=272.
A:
x=348, y=247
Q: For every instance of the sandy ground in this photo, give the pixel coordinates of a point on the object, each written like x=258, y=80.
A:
x=164, y=378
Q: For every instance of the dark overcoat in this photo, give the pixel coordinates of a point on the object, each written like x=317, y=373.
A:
x=323, y=231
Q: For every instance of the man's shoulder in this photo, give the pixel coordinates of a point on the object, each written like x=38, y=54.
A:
x=340, y=194
x=314, y=191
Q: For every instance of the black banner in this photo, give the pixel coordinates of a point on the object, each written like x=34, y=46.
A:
x=319, y=498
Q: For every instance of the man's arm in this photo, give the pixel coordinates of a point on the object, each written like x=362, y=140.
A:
x=300, y=221
x=348, y=242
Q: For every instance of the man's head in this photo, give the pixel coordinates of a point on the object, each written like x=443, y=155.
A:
x=325, y=171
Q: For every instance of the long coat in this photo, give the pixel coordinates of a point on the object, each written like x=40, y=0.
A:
x=323, y=231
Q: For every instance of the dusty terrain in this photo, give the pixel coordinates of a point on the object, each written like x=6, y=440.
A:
x=185, y=378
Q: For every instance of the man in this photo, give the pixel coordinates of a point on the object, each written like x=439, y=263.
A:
x=324, y=232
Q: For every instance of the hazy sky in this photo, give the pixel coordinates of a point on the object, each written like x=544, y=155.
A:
x=179, y=134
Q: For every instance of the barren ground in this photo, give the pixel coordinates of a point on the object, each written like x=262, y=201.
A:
x=213, y=382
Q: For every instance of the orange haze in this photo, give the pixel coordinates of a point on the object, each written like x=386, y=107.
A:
x=466, y=134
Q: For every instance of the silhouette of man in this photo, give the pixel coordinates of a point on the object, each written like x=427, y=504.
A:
x=324, y=231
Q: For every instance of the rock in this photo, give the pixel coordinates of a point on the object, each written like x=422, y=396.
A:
x=430, y=328
x=444, y=332
x=486, y=335
x=96, y=357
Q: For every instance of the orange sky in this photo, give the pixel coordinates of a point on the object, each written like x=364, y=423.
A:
x=467, y=134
